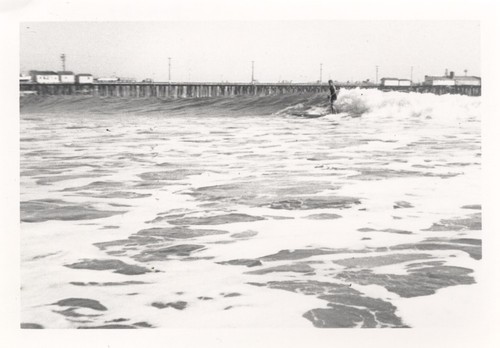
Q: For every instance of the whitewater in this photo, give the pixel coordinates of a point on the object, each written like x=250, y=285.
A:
x=234, y=213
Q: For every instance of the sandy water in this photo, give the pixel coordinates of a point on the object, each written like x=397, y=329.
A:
x=238, y=214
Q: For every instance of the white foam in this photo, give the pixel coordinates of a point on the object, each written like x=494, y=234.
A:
x=396, y=133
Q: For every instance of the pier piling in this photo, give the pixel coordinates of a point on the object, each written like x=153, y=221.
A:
x=211, y=90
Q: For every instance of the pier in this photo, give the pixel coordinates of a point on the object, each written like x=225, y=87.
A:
x=210, y=90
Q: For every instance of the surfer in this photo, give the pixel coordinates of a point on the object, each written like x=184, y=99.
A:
x=333, y=95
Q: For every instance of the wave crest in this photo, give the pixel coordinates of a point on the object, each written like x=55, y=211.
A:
x=353, y=102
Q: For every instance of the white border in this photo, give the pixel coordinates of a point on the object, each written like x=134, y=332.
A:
x=149, y=10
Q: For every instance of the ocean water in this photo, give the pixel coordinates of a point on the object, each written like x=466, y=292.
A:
x=236, y=213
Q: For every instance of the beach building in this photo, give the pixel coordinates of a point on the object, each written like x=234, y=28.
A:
x=467, y=81
x=44, y=76
x=389, y=81
x=66, y=76
x=394, y=82
x=451, y=80
x=130, y=80
x=24, y=78
x=84, y=78
x=404, y=82
x=438, y=81
x=107, y=79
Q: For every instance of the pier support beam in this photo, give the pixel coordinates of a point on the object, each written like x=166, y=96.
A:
x=207, y=90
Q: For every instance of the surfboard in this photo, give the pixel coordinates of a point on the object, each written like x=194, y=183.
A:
x=307, y=115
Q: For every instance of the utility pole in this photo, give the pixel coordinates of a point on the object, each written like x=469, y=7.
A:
x=320, y=72
x=411, y=74
x=169, y=60
x=63, y=60
x=253, y=71
x=376, y=74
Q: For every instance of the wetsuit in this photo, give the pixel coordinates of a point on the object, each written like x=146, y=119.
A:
x=333, y=97
x=333, y=94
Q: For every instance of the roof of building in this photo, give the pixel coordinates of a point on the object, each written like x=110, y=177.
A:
x=65, y=73
x=36, y=72
x=437, y=77
x=389, y=78
x=84, y=75
x=467, y=78
x=452, y=78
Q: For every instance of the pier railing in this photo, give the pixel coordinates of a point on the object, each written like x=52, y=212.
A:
x=209, y=90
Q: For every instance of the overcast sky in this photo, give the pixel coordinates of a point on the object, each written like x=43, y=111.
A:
x=223, y=51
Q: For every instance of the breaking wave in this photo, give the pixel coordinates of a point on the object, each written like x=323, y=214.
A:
x=352, y=102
